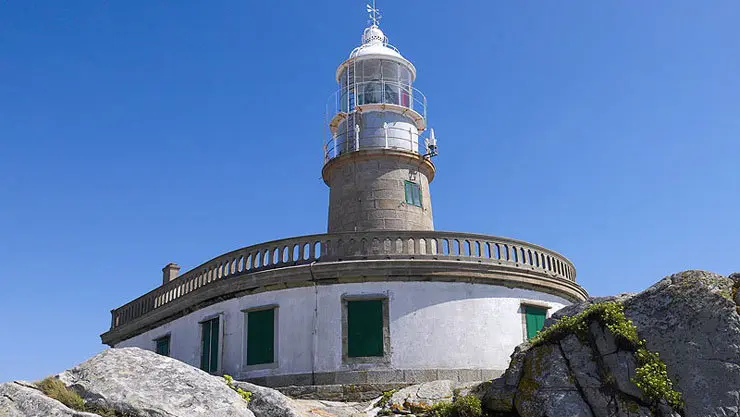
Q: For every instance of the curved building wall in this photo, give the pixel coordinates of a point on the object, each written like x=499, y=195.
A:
x=369, y=192
x=436, y=330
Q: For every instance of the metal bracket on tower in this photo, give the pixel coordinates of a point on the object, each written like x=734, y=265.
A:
x=431, y=144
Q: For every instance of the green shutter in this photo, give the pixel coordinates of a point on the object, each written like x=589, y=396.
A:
x=261, y=337
x=365, y=328
x=214, y=345
x=209, y=347
x=535, y=320
x=163, y=346
x=205, y=347
x=413, y=193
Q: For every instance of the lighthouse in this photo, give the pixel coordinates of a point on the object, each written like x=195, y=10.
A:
x=377, y=158
x=381, y=300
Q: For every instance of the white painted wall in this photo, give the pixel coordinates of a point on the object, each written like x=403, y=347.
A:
x=433, y=325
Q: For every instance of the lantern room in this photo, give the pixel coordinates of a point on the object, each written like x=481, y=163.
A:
x=376, y=105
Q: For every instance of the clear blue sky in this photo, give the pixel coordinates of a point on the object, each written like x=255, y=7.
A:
x=136, y=133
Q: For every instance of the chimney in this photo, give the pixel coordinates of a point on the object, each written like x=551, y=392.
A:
x=170, y=272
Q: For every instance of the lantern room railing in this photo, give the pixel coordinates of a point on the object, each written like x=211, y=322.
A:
x=389, y=138
x=347, y=247
x=345, y=100
x=370, y=95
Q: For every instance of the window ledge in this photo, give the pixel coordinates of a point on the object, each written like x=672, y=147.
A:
x=535, y=303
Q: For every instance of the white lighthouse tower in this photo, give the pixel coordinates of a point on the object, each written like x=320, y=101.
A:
x=378, y=175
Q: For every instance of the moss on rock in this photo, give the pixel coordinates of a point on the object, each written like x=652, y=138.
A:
x=54, y=388
x=651, y=375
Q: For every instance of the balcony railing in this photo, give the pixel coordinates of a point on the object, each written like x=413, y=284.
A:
x=344, y=247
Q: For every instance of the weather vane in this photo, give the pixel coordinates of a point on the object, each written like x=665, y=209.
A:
x=374, y=13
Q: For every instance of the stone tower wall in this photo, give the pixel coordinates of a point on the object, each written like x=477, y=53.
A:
x=368, y=191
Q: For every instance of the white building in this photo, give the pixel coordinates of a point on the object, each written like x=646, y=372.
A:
x=382, y=297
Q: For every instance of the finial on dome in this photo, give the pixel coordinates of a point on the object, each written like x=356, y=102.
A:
x=374, y=13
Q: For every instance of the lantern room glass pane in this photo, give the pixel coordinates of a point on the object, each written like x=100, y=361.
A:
x=344, y=102
x=370, y=92
x=405, y=96
x=390, y=71
x=405, y=76
x=390, y=93
x=370, y=70
x=378, y=81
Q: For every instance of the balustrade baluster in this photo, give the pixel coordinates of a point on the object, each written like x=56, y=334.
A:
x=375, y=246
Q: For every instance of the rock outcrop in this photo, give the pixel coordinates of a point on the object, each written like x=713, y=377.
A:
x=690, y=320
x=428, y=394
x=21, y=399
x=267, y=402
x=141, y=383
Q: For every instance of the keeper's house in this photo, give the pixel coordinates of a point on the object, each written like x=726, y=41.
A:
x=382, y=297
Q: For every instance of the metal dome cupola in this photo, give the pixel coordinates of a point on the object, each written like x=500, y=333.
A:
x=375, y=43
x=374, y=35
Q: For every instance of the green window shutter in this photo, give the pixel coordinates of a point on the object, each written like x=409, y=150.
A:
x=535, y=320
x=261, y=337
x=413, y=193
x=417, y=195
x=364, y=328
x=214, y=345
x=163, y=346
x=209, y=348
x=205, y=348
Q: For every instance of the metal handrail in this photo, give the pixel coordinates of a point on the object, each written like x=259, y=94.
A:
x=346, y=247
x=341, y=144
x=339, y=104
x=417, y=101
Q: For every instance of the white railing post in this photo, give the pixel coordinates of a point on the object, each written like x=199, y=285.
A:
x=385, y=129
x=357, y=137
x=413, y=142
